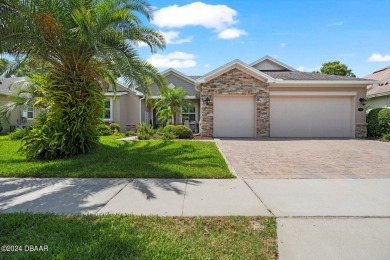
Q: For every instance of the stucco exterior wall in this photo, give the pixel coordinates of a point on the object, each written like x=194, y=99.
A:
x=15, y=118
x=235, y=82
x=377, y=102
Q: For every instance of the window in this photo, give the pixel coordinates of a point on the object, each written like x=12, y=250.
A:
x=30, y=112
x=107, y=110
x=190, y=114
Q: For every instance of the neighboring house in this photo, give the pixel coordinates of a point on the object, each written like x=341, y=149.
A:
x=18, y=118
x=379, y=94
x=266, y=98
x=121, y=107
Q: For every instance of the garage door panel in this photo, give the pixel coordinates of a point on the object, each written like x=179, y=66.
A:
x=234, y=116
x=295, y=116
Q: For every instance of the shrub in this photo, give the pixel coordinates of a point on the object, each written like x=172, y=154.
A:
x=181, y=131
x=386, y=137
x=103, y=130
x=114, y=126
x=70, y=126
x=378, y=121
x=130, y=133
x=164, y=135
x=144, y=131
x=18, y=134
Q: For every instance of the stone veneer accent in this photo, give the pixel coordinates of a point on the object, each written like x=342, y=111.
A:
x=235, y=82
x=361, y=131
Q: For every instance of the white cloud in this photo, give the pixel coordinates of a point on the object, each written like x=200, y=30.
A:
x=216, y=17
x=173, y=37
x=198, y=13
x=175, y=59
x=231, y=33
x=206, y=65
x=282, y=45
x=340, y=23
x=307, y=69
x=376, y=57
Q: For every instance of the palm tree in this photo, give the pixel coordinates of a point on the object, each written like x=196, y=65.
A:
x=172, y=103
x=87, y=44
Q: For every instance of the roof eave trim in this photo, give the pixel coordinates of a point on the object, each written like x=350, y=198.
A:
x=382, y=94
x=216, y=72
x=172, y=70
x=267, y=57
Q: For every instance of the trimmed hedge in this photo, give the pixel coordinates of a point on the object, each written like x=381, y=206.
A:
x=181, y=131
x=378, y=121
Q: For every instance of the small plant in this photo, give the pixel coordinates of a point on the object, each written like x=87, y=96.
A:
x=181, y=131
x=116, y=132
x=130, y=133
x=144, y=131
x=103, y=130
x=114, y=126
x=18, y=134
x=386, y=137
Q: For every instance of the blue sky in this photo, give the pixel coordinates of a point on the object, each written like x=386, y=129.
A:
x=303, y=34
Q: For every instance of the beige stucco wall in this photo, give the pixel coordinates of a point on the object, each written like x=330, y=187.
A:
x=377, y=102
x=15, y=118
x=126, y=110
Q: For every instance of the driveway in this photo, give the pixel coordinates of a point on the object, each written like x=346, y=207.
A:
x=307, y=159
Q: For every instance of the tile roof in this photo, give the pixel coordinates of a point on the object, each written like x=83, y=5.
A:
x=298, y=75
x=383, y=88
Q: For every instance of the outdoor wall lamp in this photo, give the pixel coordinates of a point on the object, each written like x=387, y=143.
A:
x=363, y=101
x=206, y=100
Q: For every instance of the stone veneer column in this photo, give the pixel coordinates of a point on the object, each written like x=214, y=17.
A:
x=235, y=82
x=361, y=131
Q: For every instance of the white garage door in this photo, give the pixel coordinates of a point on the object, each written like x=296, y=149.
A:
x=234, y=116
x=311, y=116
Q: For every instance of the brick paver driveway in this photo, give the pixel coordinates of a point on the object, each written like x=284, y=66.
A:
x=317, y=159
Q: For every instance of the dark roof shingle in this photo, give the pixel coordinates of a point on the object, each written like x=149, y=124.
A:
x=298, y=75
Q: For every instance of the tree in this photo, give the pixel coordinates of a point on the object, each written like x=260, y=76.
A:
x=4, y=63
x=336, y=68
x=86, y=45
x=172, y=103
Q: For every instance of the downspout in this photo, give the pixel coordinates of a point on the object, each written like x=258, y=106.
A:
x=140, y=109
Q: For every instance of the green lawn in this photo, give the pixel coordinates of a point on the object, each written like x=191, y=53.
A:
x=113, y=158
x=138, y=237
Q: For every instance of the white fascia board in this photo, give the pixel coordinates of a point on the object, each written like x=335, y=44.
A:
x=331, y=82
x=267, y=57
x=171, y=70
x=112, y=94
x=312, y=93
x=233, y=63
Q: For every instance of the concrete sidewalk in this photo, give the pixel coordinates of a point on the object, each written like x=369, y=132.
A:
x=317, y=219
x=164, y=197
